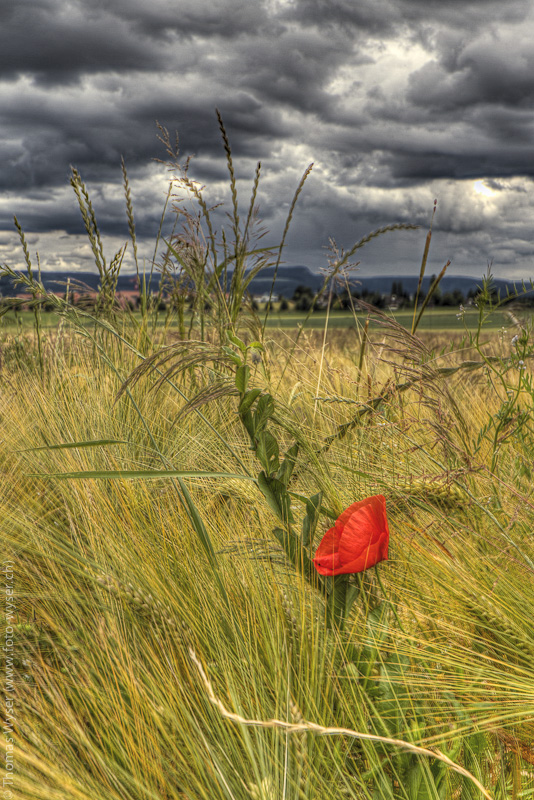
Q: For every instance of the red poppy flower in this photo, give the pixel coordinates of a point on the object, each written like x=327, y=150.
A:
x=358, y=540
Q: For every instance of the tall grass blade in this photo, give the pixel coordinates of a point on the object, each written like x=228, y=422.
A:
x=283, y=240
x=139, y=474
x=423, y=265
x=429, y=295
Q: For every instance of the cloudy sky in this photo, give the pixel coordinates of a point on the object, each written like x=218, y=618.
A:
x=397, y=102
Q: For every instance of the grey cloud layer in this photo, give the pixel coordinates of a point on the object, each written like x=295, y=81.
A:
x=392, y=100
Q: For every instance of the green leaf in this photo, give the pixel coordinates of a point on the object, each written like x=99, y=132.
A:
x=294, y=551
x=377, y=625
x=415, y=776
x=288, y=464
x=241, y=378
x=394, y=705
x=264, y=411
x=337, y=600
x=328, y=512
x=267, y=452
x=233, y=355
x=352, y=594
x=309, y=523
x=204, y=537
x=141, y=474
x=248, y=421
x=66, y=445
x=289, y=542
x=424, y=780
x=375, y=634
x=277, y=497
x=237, y=341
x=248, y=400
x=264, y=484
x=384, y=787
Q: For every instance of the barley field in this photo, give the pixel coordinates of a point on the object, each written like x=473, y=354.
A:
x=172, y=631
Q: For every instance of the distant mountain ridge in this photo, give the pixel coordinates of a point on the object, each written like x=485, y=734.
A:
x=287, y=280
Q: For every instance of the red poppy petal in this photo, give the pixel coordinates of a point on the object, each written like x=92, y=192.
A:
x=369, y=558
x=327, y=554
x=327, y=566
x=364, y=528
x=329, y=543
x=347, y=514
x=358, y=540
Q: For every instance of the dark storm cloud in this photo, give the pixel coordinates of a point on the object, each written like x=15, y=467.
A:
x=394, y=101
x=188, y=18
x=433, y=164
x=494, y=70
x=56, y=42
x=410, y=18
x=369, y=16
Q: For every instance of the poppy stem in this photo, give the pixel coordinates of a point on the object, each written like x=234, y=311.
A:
x=391, y=605
x=336, y=602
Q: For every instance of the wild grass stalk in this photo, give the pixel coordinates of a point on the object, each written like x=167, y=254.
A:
x=423, y=265
x=35, y=293
x=280, y=249
x=363, y=344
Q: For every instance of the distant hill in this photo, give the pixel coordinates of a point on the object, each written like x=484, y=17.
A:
x=55, y=281
x=287, y=280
